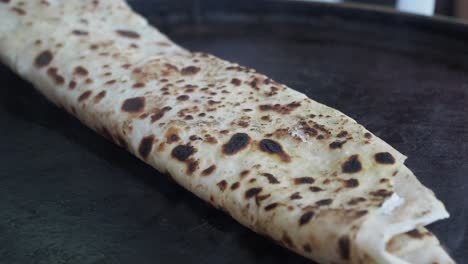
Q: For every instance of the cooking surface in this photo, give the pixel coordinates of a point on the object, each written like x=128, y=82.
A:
x=69, y=196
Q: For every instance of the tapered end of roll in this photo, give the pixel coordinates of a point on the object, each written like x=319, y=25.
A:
x=394, y=234
x=418, y=246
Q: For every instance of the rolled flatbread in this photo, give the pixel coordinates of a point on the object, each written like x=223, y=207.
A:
x=294, y=170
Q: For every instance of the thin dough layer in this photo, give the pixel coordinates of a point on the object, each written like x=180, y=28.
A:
x=287, y=167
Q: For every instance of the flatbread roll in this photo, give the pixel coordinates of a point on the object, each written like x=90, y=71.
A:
x=294, y=170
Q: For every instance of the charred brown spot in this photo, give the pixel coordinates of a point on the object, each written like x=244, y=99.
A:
x=306, y=217
x=156, y=117
x=236, y=81
x=384, y=180
x=244, y=173
x=382, y=193
x=146, y=144
x=367, y=135
x=190, y=70
x=163, y=44
x=384, y=158
x=110, y=82
x=271, y=179
x=324, y=202
x=357, y=200
x=19, y=11
x=273, y=147
x=343, y=133
x=209, y=170
x=273, y=91
x=235, y=185
x=80, y=70
x=344, y=247
x=182, y=152
x=172, y=138
x=172, y=135
x=126, y=66
x=128, y=33
x=307, y=248
x=170, y=69
x=213, y=102
x=53, y=73
x=321, y=128
x=352, y=165
x=361, y=213
x=183, y=97
x=312, y=132
x=238, y=142
x=271, y=206
x=351, y=183
x=336, y=144
x=138, y=85
x=270, y=146
x=304, y=180
x=133, y=105
x=255, y=83
x=315, y=189
x=160, y=113
x=280, y=109
x=79, y=32
x=294, y=104
x=222, y=185
x=192, y=166
x=236, y=68
x=265, y=107
x=161, y=147
x=295, y=196
x=252, y=192
x=415, y=234
x=195, y=137
x=84, y=96
x=337, y=190
x=72, y=85
x=210, y=140
x=260, y=198
x=243, y=123
x=99, y=96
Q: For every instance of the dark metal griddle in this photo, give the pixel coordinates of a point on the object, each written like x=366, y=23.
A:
x=69, y=196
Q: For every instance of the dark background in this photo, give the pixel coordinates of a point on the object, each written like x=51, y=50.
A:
x=69, y=196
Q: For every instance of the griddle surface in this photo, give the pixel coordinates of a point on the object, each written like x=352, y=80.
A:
x=69, y=196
